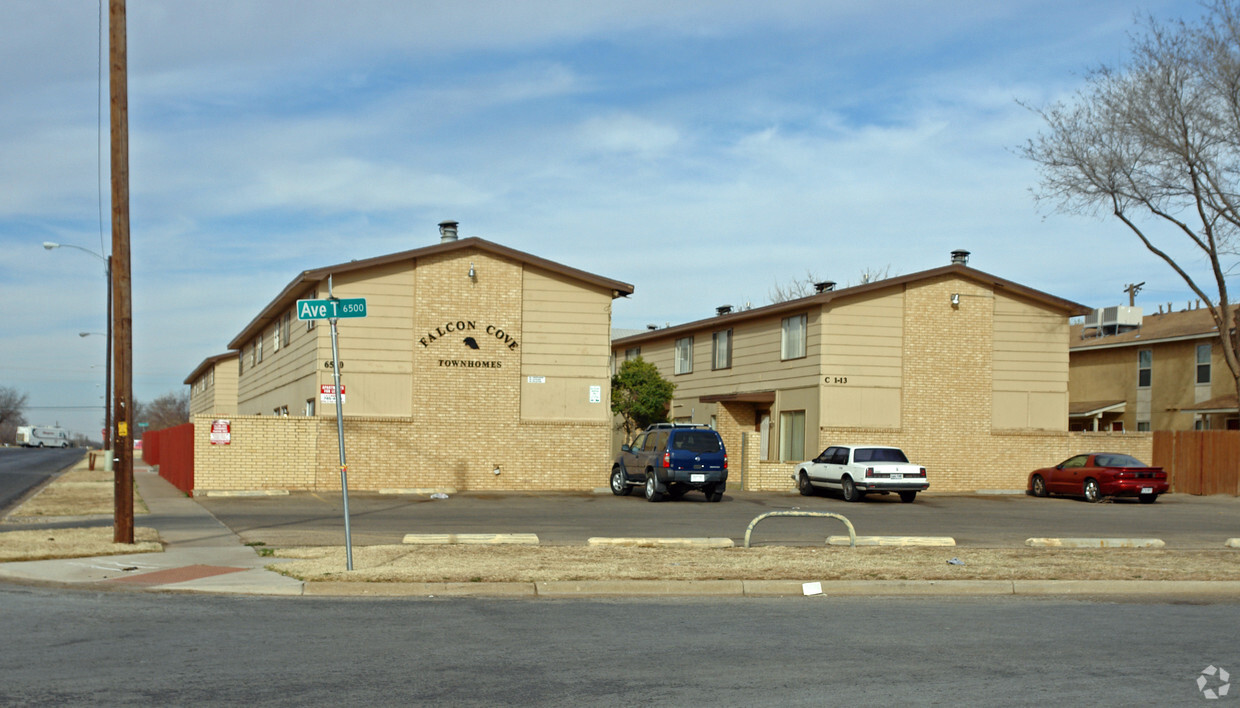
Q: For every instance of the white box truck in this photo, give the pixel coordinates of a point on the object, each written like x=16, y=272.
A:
x=42, y=436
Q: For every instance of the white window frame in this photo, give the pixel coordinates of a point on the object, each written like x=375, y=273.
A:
x=1145, y=363
x=793, y=336
x=721, y=344
x=684, y=355
x=1208, y=350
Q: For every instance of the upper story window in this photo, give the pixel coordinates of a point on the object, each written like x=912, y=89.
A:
x=632, y=353
x=792, y=337
x=258, y=348
x=314, y=295
x=1145, y=367
x=1203, y=363
x=275, y=338
x=288, y=328
x=684, y=355
x=721, y=350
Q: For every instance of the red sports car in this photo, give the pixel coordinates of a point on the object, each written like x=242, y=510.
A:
x=1100, y=474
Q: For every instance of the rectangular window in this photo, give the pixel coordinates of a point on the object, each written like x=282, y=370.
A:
x=1143, y=426
x=1145, y=366
x=792, y=337
x=792, y=436
x=684, y=355
x=275, y=339
x=258, y=349
x=721, y=350
x=631, y=354
x=1203, y=363
x=309, y=406
x=314, y=295
x=288, y=328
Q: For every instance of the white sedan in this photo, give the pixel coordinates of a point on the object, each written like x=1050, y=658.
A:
x=856, y=470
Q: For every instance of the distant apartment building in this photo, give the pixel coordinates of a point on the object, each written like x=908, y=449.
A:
x=213, y=386
x=966, y=371
x=1163, y=371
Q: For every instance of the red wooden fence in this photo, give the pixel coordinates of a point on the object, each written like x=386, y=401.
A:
x=173, y=450
x=1199, y=461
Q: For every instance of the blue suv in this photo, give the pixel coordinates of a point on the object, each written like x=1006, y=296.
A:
x=669, y=459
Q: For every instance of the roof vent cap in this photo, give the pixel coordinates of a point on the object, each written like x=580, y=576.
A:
x=825, y=286
x=447, y=231
x=723, y=309
x=960, y=257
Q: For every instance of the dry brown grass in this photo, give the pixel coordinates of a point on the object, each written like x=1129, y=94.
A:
x=42, y=544
x=547, y=563
x=79, y=492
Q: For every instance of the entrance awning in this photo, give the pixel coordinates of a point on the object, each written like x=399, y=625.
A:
x=749, y=397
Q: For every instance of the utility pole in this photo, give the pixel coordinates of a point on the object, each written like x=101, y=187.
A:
x=1132, y=289
x=122, y=313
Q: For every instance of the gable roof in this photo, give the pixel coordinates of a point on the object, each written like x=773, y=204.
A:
x=297, y=287
x=1161, y=327
x=208, y=363
x=1069, y=308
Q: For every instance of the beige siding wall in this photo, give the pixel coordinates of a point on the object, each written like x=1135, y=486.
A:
x=1111, y=374
x=565, y=349
x=1030, y=366
x=863, y=362
x=215, y=391
x=285, y=377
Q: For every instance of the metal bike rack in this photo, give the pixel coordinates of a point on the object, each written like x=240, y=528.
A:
x=852, y=533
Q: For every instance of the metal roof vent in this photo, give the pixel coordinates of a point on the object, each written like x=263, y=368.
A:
x=723, y=309
x=825, y=286
x=652, y=327
x=447, y=231
x=960, y=257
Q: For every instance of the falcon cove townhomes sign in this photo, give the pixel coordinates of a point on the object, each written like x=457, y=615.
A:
x=467, y=333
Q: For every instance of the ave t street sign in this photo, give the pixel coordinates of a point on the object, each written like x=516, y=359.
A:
x=331, y=309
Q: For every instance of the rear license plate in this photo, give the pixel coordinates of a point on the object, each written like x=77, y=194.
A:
x=1147, y=490
x=697, y=478
x=897, y=475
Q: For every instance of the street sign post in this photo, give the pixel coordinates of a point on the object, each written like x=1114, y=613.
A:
x=332, y=309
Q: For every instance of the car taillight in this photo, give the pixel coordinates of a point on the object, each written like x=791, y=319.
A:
x=667, y=459
x=922, y=473
x=725, y=460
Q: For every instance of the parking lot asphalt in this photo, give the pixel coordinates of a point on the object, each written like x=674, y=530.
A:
x=994, y=521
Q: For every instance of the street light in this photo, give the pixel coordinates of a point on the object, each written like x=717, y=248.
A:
x=107, y=271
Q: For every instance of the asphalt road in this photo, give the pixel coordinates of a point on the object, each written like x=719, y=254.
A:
x=22, y=469
x=89, y=648
x=993, y=521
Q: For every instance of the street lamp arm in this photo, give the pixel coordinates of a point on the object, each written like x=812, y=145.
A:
x=49, y=245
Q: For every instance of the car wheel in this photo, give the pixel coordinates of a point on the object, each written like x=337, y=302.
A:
x=618, y=485
x=713, y=494
x=851, y=493
x=1038, y=486
x=908, y=497
x=1093, y=492
x=803, y=485
x=652, y=489
x=1148, y=498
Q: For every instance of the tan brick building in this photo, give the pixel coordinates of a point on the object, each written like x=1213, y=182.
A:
x=476, y=367
x=1164, y=371
x=966, y=371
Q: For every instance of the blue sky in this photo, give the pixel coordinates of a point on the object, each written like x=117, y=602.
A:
x=702, y=151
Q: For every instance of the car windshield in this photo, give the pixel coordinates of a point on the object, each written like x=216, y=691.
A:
x=694, y=441
x=1117, y=461
x=879, y=454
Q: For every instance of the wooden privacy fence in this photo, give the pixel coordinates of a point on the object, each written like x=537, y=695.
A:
x=172, y=449
x=1199, y=461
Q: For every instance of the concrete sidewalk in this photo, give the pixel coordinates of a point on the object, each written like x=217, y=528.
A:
x=200, y=555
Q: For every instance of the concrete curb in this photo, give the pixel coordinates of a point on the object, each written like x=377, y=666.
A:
x=661, y=542
x=1095, y=543
x=893, y=541
x=471, y=539
x=780, y=588
x=422, y=491
x=245, y=493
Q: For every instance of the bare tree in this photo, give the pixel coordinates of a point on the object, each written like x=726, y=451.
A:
x=166, y=411
x=1155, y=142
x=12, y=403
x=799, y=288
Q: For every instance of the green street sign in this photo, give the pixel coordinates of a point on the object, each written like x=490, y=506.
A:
x=331, y=309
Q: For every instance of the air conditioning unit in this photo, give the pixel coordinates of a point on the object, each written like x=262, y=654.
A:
x=1121, y=317
x=1094, y=319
